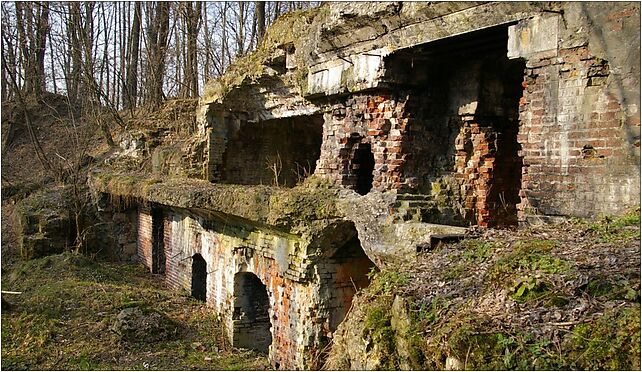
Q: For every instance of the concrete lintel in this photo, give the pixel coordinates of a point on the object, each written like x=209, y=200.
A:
x=535, y=35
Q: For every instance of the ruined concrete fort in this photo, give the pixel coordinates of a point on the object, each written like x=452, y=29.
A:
x=358, y=134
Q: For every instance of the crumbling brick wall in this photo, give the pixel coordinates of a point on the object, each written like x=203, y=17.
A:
x=570, y=148
x=448, y=131
x=375, y=119
x=579, y=123
x=344, y=273
x=299, y=298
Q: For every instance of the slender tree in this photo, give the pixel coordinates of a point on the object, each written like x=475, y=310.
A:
x=32, y=23
x=157, y=37
x=131, y=82
x=192, y=24
x=260, y=18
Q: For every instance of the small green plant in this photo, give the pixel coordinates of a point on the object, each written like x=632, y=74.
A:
x=529, y=288
x=430, y=313
x=477, y=251
x=455, y=271
x=622, y=289
x=386, y=281
x=528, y=256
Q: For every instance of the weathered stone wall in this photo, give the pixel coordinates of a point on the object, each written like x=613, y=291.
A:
x=343, y=274
x=121, y=233
x=457, y=113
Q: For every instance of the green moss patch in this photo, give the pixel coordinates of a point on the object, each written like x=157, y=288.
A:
x=610, y=342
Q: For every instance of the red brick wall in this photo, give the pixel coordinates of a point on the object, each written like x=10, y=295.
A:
x=375, y=119
x=145, y=235
x=178, y=269
x=578, y=159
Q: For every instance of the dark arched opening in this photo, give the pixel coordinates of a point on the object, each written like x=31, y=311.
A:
x=345, y=269
x=251, y=319
x=363, y=166
x=199, y=277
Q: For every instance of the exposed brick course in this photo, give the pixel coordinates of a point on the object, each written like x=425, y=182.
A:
x=573, y=132
x=145, y=235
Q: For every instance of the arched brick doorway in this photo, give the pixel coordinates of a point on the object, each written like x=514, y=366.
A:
x=251, y=319
x=199, y=277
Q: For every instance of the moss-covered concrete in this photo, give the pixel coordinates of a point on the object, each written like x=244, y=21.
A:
x=301, y=210
x=551, y=298
x=44, y=223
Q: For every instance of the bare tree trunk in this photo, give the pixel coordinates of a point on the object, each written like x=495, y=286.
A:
x=178, y=47
x=73, y=28
x=225, y=47
x=158, y=32
x=53, y=67
x=260, y=19
x=207, y=68
x=192, y=22
x=34, y=27
x=131, y=82
x=240, y=31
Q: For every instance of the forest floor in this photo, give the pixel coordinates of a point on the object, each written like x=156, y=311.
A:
x=64, y=318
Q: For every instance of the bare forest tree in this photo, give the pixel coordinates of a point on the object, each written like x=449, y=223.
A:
x=124, y=54
x=103, y=57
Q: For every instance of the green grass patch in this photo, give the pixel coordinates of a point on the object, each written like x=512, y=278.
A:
x=64, y=316
x=527, y=257
x=386, y=281
x=613, y=229
x=611, y=342
x=477, y=251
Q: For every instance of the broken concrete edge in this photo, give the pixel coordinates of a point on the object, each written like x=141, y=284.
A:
x=313, y=215
x=291, y=30
x=385, y=242
x=320, y=67
x=279, y=207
